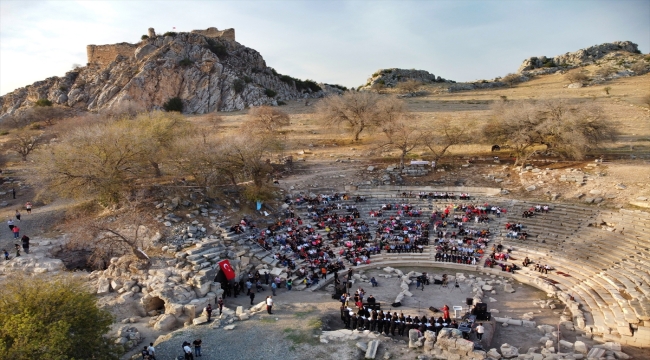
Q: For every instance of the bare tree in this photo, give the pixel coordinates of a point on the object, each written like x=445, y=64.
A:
x=514, y=124
x=129, y=229
x=576, y=76
x=199, y=157
x=444, y=133
x=378, y=87
x=571, y=130
x=358, y=110
x=402, y=135
x=640, y=67
x=25, y=142
x=605, y=70
x=409, y=87
x=267, y=118
x=99, y=160
x=156, y=132
x=511, y=79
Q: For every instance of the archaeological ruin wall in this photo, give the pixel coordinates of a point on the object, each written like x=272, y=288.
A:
x=213, y=32
x=103, y=55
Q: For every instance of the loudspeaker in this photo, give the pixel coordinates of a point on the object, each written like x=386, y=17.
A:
x=396, y=304
x=469, y=301
x=481, y=308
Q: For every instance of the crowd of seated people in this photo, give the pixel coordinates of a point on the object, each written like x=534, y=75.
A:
x=534, y=209
x=436, y=195
x=457, y=243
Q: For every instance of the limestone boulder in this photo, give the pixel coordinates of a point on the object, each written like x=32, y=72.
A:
x=508, y=351
x=166, y=322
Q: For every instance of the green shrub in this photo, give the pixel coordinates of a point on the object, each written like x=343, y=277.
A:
x=144, y=37
x=4, y=132
x=270, y=93
x=217, y=48
x=36, y=126
x=185, y=62
x=43, y=102
x=248, y=80
x=63, y=88
x=170, y=33
x=381, y=81
x=174, y=104
x=340, y=87
x=53, y=318
x=274, y=72
x=286, y=79
x=281, y=103
x=238, y=85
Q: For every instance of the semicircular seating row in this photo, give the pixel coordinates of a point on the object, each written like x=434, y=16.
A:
x=599, y=258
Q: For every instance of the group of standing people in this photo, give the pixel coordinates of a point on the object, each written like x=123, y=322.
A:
x=15, y=230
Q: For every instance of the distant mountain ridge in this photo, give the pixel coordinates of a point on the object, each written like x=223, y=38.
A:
x=580, y=57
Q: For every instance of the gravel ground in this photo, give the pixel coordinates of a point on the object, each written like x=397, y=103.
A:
x=290, y=333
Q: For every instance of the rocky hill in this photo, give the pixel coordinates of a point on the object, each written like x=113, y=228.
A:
x=391, y=77
x=580, y=57
x=207, y=69
x=613, y=60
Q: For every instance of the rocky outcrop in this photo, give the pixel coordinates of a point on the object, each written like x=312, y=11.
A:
x=391, y=77
x=580, y=57
x=207, y=73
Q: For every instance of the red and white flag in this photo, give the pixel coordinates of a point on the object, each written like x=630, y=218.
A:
x=227, y=269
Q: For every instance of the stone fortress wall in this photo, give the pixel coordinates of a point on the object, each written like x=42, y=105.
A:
x=102, y=55
x=213, y=32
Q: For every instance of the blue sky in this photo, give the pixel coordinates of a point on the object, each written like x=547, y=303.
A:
x=332, y=41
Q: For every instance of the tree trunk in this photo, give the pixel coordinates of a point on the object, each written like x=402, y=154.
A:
x=357, y=133
x=156, y=168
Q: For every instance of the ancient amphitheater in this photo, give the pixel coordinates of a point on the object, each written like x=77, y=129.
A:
x=599, y=260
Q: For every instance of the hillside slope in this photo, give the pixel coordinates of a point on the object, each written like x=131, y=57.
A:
x=207, y=73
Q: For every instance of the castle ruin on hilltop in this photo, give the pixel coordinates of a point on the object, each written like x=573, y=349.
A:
x=102, y=55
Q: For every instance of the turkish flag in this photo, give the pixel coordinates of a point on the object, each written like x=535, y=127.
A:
x=227, y=269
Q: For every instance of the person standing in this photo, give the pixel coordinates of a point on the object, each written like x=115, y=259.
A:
x=25, y=240
x=252, y=296
x=16, y=231
x=145, y=353
x=28, y=207
x=220, y=303
x=152, y=351
x=17, y=250
x=266, y=277
x=6, y=254
x=273, y=287
x=289, y=284
x=17, y=215
x=197, y=347
x=188, y=351
x=249, y=285
x=480, y=330
x=208, y=310
x=269, y=304
x=10, y=223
